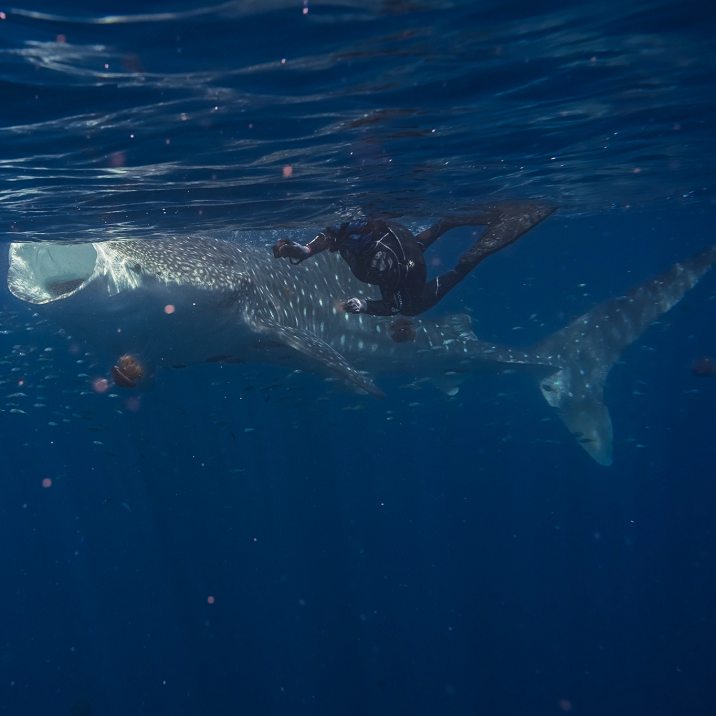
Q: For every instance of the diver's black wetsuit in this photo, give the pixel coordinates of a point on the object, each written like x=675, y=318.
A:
x=390, y=257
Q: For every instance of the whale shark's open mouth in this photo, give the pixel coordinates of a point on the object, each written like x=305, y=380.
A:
x=42, y=273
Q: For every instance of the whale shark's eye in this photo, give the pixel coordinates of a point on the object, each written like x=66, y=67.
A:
x=136, y=268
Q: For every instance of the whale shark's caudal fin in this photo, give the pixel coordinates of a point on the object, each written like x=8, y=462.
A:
x=586, y=350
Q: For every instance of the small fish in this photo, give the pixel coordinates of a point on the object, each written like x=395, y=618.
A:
x=17, y=410
x=126, y=507
x=249, y=430
x=97, y=442
x=236, y=470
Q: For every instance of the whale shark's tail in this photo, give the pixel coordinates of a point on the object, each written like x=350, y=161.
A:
x=584, y=351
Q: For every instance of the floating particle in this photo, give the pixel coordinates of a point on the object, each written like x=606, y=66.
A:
x=117, y=160
x=100, y=385
x=703, y=367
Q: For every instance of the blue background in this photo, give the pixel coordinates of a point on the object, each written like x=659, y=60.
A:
x=420, y=555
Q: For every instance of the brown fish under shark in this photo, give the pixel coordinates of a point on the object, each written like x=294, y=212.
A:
x=184, y=301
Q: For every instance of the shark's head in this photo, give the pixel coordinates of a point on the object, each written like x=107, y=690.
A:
x=42, y=273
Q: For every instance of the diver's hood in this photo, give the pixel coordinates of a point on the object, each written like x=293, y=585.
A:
x=41, y=273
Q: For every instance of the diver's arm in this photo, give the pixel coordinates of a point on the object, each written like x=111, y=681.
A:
x=322, y=242
x=293, y=250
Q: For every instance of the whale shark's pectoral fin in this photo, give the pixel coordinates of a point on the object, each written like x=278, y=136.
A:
x=311, y=345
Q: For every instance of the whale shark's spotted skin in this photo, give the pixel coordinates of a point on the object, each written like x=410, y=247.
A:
x=233, y=301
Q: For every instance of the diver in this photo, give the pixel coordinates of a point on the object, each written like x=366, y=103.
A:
x=387, y=255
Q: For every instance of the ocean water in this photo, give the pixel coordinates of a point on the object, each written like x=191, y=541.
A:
x=255, y=538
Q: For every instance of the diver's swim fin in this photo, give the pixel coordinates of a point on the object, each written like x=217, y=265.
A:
x=511, y=222
x=311, y=345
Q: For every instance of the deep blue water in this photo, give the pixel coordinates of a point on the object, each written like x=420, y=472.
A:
x=418, y=555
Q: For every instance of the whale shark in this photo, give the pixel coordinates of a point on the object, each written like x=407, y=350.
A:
x=181, y=301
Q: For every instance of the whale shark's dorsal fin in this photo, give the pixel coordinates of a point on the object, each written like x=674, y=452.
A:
x=586, y=350
x=311, y=345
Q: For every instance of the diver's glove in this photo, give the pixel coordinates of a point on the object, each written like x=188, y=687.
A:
x=355, y=305
x=291, y=250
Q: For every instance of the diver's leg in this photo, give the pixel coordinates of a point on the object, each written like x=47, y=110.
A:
x=505, y=222
x=514, y=221
x=433, y=291
x=429, y=236
x=503, y=228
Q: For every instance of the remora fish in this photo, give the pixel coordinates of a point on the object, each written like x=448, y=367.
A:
x=181, y=301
